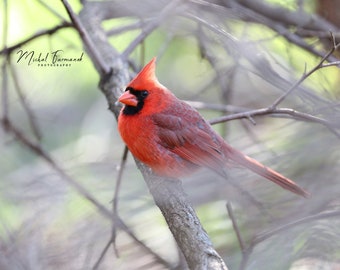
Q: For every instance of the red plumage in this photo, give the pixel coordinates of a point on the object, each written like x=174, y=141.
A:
x=173, y=139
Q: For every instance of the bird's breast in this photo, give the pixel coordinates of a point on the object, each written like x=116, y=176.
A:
x=139, y=135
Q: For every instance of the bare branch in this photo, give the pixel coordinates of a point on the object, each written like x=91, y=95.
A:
x=63, y=25
x=102, y=255
x=125, y=28
x=51, y=10
x=117, y=189
x=121, y=224
x=285, y=111
x=183, y=223
x=265, y=235
x=298, y=18
x=39, y=151
x=304, y=77
x=215, y=107
x=150, y=26
x=278, y=19
x=96, y=58
x=30, y=114
x=4, y=92
x=277, y=111
x=235, y=226
x=112, y=239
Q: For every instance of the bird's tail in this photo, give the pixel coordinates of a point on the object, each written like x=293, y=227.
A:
x=266, y=172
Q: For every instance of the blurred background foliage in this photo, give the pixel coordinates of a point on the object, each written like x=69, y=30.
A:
x=45, y=224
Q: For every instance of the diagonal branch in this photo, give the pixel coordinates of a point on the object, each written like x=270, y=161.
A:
x=63, y=25
x=235, y=226
x=96, y=58
x=115, y=200
x=273, y=110
x=39, y=151
x=307, y=74
x=277, y=111
x=267, y=234
x=150, y=26
x=30, y=114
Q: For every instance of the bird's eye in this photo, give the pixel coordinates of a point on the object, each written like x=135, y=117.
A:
x=144, y=93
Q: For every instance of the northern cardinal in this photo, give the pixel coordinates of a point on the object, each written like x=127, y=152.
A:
x=173, y=139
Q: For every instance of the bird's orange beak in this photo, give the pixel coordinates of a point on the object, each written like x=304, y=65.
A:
x=128, y=99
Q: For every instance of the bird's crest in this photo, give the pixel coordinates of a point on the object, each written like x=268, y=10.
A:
x=146, y=78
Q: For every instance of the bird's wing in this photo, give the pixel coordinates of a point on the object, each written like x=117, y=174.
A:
x=184, y=132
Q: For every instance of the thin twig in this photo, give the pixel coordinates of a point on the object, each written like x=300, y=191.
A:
x=265, y=235
x=304, y=77
x=30, y=114
x=96, y=57
x=166, y=43
x=214, y=28
x=126, y=28
x=120, y=223
x=278, y=22
x=245, y=258
x=149, y=27
x=39, y=151
x=235, y=226
x=277, y=111
x=50, y=9
x=4, y=92
x=102, y=254
x=8, y=50
x=216, y=107
x=116, y=199
x=119, y=180
x=332, y=64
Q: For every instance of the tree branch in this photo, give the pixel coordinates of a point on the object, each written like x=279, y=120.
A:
x=150, y=26
x=277, y=111
x=267, y=234
x=276, y=18
x=183, y=222
x=286, y=111
x=62, y=25
x=96, y=58
x=307, y=74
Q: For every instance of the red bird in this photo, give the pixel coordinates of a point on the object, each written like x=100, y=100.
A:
x=173, y=139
